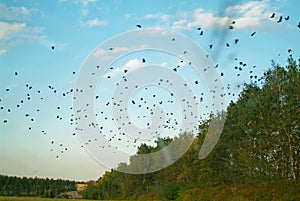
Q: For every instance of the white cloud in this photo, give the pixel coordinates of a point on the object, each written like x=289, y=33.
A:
x=14, y=13
x=14, y=29
x=207, y=19
x=8, y=30
x=86, y=2
x=131, y=65
x=251, y=14
x=83, y=2
x=164, y=64
x=129, y=15
x=84, y=12
x=2, y=51
x=102, y=52
x=15, y=33
x=250, y=9
x=162, y=17
x=94, y=22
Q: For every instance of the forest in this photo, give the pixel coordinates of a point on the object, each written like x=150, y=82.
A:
x=256, y=158
x=34, y=187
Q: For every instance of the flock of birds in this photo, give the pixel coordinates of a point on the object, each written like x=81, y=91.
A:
x=142, y=102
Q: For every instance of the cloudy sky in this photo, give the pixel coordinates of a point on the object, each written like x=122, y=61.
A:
x=37, y=137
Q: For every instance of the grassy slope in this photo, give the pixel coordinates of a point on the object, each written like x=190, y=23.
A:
x=3, y=198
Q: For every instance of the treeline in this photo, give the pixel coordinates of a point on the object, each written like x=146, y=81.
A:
x=256, y=158
x=17, y=186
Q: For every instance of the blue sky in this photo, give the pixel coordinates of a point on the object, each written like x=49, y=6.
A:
x=76, y=28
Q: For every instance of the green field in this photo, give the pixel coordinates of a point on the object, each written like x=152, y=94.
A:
x=4, y=198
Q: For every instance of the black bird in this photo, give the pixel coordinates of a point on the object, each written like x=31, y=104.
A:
x=280, y=19
x=236, y=41
x=138, y=26
x=201, y=33
x=272, y=16
x=143, y=60
x=210, y=46
x=287, y=18
x=289, y=50
x=52, y=47
x=199, y=28
x=253, y=33
x=298, y=25
x=227, y=45
x=16, y=73
x=230, y=27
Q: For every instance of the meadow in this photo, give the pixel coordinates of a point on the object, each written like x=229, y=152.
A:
x=4, y=198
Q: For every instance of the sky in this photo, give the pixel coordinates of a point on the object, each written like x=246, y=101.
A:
x=38, y=133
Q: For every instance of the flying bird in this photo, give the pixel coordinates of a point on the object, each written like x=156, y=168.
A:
x=280, y=19
x=287, y=18
x=253, y=33
x=139, y=26
x=272, y=16
x=52, y=47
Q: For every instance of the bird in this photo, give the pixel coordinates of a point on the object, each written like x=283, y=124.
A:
x=52, y=47
x=201, y=33
x=236, y=41
x=273, y=15
x=280, y=19
x=139, y=26
x=253, y=33
x=287, y=18
x=298, y=25
x=230, y=27
x=210, y=46
x=143, y=60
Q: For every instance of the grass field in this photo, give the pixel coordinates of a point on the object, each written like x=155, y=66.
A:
x=4, y=198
